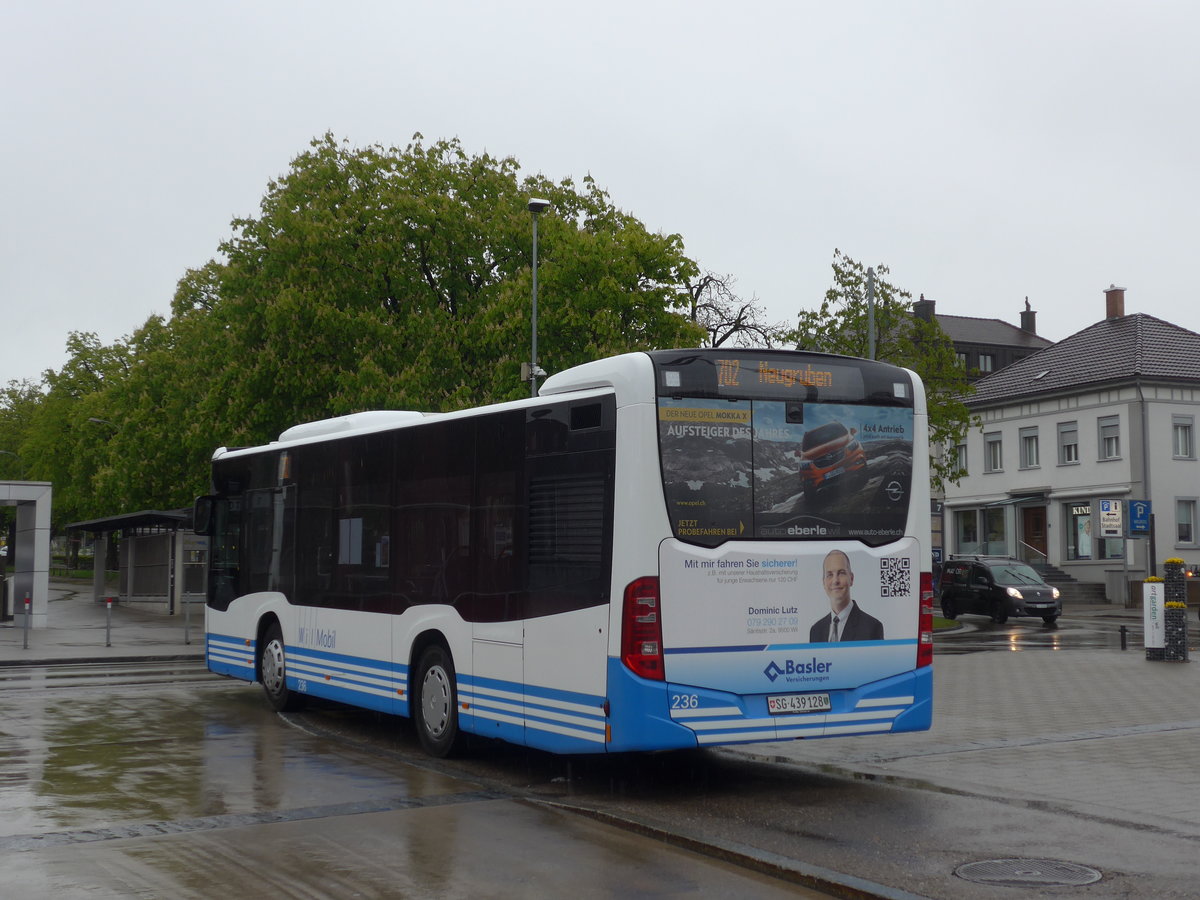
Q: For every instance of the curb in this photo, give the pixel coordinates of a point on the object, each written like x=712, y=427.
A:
x=94, y=660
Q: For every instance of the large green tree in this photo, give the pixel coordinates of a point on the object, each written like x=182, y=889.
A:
x=840, y=325
x=371, y=278
x=382, y=277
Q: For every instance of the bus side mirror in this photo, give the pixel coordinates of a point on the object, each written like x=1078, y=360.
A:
x=202, y=515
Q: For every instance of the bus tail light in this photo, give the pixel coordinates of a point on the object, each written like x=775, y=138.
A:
x=641, y=629
x=925, y=626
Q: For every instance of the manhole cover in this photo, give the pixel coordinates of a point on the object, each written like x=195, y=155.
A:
x=1025, y=872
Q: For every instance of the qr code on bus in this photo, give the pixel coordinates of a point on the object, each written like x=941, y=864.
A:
x=895, y=576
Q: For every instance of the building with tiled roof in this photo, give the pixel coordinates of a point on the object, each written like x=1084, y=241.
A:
x=1108, y=414
x=986, y=345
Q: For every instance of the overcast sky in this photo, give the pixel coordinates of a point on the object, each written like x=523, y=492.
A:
x=984, y=151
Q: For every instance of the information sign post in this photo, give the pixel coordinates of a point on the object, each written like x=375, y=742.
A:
x=1153, y=597
x=1111, y=519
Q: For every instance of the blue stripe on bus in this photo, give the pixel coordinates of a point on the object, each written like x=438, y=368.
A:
x=755, y=648
x=535, y=715
x=359, y=680
x=228, y=655
x=748, y=648
x=386, y=668
x=898, y=642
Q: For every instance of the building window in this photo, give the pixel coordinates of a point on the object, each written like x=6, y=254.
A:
x=1181, y=437
x=1068, y=443
x=1029, y=448
x=966, y=527
x=1185, y=521
x=1110, y=437
x=993, y=453
x=961, y=358
x=987, y=362
x=995, y=536
x=960, y=458
x=1079, y=530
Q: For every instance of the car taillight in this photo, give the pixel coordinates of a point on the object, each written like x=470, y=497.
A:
x=925, y=622
x=641, y=629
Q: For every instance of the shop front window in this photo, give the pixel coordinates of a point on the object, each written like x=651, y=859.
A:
x=1078, y=517
x=966, y=524
x=997, y=538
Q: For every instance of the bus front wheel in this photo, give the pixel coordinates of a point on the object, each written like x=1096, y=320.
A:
x=272, y=668
x=435, y=711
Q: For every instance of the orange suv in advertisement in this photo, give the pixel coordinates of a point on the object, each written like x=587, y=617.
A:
x=828, y=454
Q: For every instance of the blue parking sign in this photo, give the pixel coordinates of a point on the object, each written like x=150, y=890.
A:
x=1139, y=516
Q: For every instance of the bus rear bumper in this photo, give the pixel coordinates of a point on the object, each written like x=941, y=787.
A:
x=663, y=715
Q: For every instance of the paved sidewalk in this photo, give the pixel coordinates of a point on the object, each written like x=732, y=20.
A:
x=1101, y=732
x=78, y=627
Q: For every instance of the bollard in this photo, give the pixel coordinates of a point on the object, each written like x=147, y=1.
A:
x=1124, y=637
x=28, y=616
x=108, y=622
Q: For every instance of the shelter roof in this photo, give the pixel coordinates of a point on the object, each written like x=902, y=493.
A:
x=146, y=518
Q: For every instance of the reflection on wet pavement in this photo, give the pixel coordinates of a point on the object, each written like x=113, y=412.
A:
x=979, y=633
x=93, y=758
x=197, y=789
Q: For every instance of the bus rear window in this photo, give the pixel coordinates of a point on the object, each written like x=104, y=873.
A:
x=788, y=461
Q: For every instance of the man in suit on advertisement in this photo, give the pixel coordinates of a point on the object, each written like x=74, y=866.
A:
x=846, y=621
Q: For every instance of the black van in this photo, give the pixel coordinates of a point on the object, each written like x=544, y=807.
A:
x=997, y=586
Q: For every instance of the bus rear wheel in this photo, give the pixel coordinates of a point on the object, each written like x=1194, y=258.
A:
x=435, y=708
x=272, y=667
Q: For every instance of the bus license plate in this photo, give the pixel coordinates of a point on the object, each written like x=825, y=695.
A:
x=782, y=704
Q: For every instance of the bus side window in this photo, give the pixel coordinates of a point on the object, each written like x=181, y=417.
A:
x=316, y=473
x=363, y=513
x=435, y=466
x=499, y=593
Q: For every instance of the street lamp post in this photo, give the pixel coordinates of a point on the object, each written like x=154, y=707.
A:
x=535, y=206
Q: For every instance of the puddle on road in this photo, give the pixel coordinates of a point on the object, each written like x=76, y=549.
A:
x=90, y=760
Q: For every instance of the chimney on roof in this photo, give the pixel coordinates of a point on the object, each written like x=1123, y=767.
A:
x=923, y=309
x=1114, y=302
x=1028, y=318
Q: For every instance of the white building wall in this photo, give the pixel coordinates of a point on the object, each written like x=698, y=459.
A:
x=1145, y=418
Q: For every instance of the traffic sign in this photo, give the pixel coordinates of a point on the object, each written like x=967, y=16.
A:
x=1139, y=516
x=1111, y=519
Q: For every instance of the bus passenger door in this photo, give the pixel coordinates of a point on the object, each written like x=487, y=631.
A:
x=497, y=658
x=566, y=612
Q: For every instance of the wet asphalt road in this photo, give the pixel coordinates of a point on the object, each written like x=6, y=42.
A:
x=164, y=781
x=159, y=780
x=979, y=633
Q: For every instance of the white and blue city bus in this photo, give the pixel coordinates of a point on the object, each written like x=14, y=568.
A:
x=636, y=559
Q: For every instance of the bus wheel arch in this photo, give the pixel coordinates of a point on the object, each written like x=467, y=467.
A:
x=434, y=696
x=271, y=667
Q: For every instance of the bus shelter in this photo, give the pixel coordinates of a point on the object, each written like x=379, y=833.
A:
x=161, y=563
x=31, y=555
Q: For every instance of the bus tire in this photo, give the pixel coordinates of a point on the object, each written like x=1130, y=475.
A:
x=435, y=707
x=272, y=667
